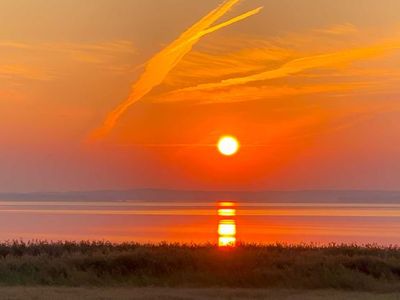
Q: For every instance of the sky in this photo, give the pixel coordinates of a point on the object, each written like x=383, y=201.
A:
x=310, y=88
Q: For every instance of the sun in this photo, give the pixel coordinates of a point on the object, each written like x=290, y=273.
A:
x=228, y=145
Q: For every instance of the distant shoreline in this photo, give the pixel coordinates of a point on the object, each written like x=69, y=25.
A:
x=304, y=196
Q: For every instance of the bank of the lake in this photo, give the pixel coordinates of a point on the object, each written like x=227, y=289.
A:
x=99, y=264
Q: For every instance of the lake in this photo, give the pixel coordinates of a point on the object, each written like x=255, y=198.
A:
x=201, y=222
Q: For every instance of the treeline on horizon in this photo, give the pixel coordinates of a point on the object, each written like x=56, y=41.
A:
x=322, y=196
x=350, y=267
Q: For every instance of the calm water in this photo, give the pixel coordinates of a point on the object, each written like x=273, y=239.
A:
x=201, y=222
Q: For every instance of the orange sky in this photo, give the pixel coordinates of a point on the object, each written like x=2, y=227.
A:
x=310, y=88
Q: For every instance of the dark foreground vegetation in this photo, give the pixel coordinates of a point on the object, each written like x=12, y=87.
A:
x=368, y=268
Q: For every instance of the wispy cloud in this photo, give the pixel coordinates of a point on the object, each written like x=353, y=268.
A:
x=254, y=93
x=45, y=61
x=239, y=69
x=330, y=60
x=163, y=62
x=120, y=46
x=338, y=29
x=24, y=71
x=223, y=61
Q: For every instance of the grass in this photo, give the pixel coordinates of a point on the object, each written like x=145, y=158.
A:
x=99, y=264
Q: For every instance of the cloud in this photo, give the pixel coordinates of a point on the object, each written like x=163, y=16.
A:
x=221, y=61
x=106, y=47
x=45, y=61
x=254, y=93
x=338, y=29
x=163, y=62
x=240, y=57
x=294, y=69
x=25, y=72
x=218, y=27
x=330, y=60
x=93, y=53
x=16, y=45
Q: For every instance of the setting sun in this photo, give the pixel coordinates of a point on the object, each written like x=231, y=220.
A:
x=228, y=145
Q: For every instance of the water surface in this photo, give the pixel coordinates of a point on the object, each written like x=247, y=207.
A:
x=199, y=222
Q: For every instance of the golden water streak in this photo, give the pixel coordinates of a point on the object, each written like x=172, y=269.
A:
x=227, y=228
x=226, y=241
x=227, y=224
x=227, y=212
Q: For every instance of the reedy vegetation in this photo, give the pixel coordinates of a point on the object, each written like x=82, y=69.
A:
x=352, y=267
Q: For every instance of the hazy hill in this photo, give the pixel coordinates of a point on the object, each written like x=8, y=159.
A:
x=187, y=195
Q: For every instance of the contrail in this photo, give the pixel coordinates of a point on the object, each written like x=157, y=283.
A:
x=220, y=26
x=163, y=62
x=299, y=65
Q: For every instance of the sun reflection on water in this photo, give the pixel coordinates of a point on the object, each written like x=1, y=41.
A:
x=226, y=224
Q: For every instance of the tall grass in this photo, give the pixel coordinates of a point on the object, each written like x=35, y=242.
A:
x=351, y=267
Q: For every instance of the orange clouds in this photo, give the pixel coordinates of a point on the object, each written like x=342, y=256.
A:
x=253, y=93
x=339, y=29
x=24, y=71
x=43, y=61
x=330, y=60
x=249, y=69
x=100, y=48
x=162, y=63
x=246, y=56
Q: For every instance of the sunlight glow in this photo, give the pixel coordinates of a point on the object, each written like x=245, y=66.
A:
x=228, y=145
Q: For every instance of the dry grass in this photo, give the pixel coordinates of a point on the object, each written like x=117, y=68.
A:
x=306, y=267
